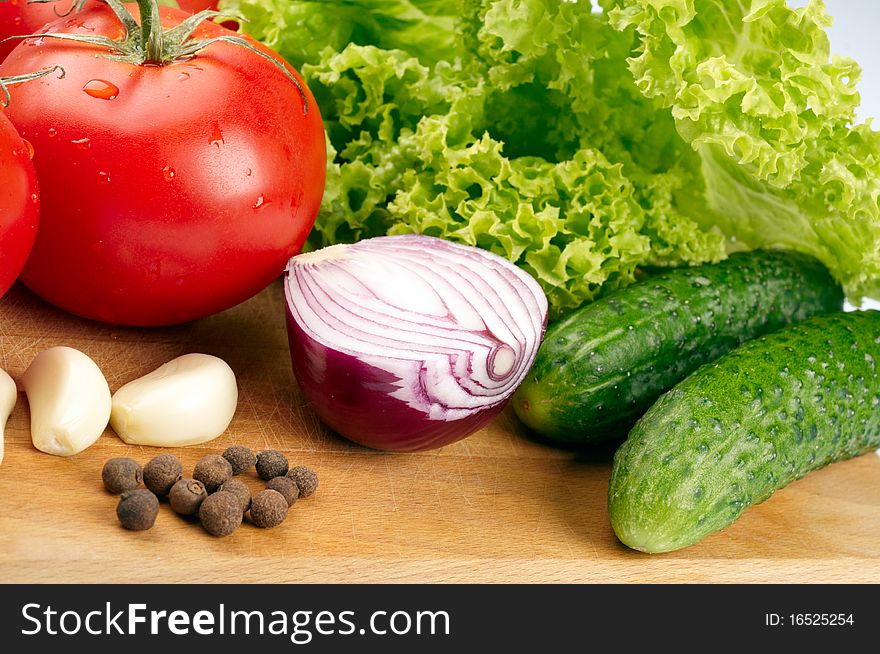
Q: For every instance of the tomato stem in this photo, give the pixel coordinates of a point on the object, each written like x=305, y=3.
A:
x=152, y=42
x=27, y=77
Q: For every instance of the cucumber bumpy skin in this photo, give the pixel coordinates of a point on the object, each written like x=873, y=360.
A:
x=746, y=425
x=603, y=366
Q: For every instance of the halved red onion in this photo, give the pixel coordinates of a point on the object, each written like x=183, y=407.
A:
x=410, y=342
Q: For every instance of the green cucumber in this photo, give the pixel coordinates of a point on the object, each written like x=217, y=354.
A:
x=746, y=425
x=601, y=367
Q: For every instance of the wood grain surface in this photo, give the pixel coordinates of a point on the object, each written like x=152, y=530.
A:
x=496, y=507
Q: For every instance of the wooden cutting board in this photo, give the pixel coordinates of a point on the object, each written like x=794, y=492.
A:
x=494, y=507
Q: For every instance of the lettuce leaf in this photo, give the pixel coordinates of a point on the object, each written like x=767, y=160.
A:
x=583, y=145
x=752, y=87
x=301, y=29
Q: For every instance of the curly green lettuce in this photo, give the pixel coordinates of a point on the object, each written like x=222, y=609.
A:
x=583, y=145
x=752, y=87
x=302, y=29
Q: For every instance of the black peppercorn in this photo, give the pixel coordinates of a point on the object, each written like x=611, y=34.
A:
x=220, y=513
x=240, y=458
x=306, y=480
x=213, y=471
x=186, y=496
x=271, y=464
x=137, y=509
x=121, y=474
x=161, y=473
x=268, y=509
x=240, y=490
x=286, y=486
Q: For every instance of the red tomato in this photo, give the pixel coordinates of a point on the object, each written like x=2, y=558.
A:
x=168, y=192
x=19, y=204
x=195, y=6
x=20, y=17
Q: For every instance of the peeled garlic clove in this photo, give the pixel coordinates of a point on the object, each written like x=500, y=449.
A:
x=8, y=395
x=187, y=401
x=69, y=398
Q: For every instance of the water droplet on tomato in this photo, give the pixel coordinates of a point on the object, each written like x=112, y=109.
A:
x=168, y=173
x=83, y=143
x=183, y=77
x=29, y=147
x=101, y=89
x=216, y=136
x=34, y=197
x=261, y=202
x=52, y=132
x=17, y=20
x=103, y=178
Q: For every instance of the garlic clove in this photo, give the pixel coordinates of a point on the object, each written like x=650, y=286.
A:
x=69, y=399
x=187, y=401
x=8, y=396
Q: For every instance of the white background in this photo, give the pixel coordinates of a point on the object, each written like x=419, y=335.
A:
x=855, y=34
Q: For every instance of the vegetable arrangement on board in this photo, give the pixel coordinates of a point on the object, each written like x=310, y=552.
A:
x=680, y=133
x=492, y=164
